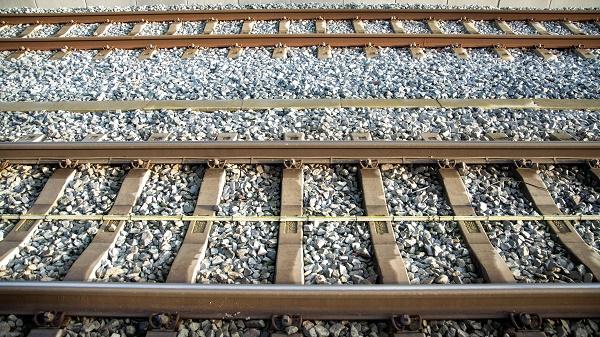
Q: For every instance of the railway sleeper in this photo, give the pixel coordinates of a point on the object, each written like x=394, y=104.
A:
x=323, y=51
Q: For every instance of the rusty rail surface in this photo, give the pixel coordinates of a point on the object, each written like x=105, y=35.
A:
x=303, y=40
x=301, y=14
x=312, y=302
x=307, y=151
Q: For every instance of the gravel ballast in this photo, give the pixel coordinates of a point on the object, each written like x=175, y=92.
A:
x=575, y=191
x=335, y=252
x=432, y=252
x=532, y=253
x=257, y=75
x=11, y=326
x=20, y=185
x=244, y=252
x=57, y=244
x=414, y=190
x=145, y=250
x=316, y=124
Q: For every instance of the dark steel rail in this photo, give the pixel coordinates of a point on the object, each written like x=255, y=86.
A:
x=312, y=302
x=302, y=14
x=304, y=40
x=307, y=151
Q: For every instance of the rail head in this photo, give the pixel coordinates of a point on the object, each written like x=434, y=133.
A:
x=300, y=14
x=309, y=152
x=312, y=302
x=302, y=40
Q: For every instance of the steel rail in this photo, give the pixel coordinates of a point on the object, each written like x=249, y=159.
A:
x=307, y=151
x=301, y=14
x=303, y=40
x=312, y=302
x=307, y=218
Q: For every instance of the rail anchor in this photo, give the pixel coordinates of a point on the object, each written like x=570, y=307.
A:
x=525, y=325
x=369, y=163
x=286, y=325
x=406, y=325
x=292, y=164
x=526, y=163
x=48, y=324
x=163, y=325
x=141, y=164
x=216, y=163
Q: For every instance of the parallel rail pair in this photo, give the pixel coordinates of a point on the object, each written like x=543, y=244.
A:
x=302, y=40
x=393, y=296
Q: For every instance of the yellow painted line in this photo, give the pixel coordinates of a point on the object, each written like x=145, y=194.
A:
x=276, y=218
x=263, y=104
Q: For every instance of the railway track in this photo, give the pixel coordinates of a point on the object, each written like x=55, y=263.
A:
x=327, y=223
x=435, y=36
x=293, y=292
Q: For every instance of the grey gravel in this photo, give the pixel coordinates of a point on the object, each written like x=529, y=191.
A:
x=415, y=27
x=11, y=31
x=347, y=74
x=575, y=191
x=144, y=250
x=339, y=27
x=240, y=253
x=265, y=27
x=155, y=28
x=521, y=28
x=487, y=27
x=435, y=253
x=45, y=31
x=332, y=190
x=228, y=27
x=574, y=327
x=556, y=28
x=84, y=29
x=573, y=188
x=244, y=252
x=464, y=328
x=317, y=124
x=338, y=253
x=113, y=327
x=118, y=29
x=532, y=253
x=335, y=252
x=191, y=28
x=57, y=244
x=11, y=326
x=452, y=27
x=307, y=5
x=495, y=190
x=378, y=26
x=251, y=190
x=588, y=27
x=302, y=27
x=20, y=185
x=414, y=190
